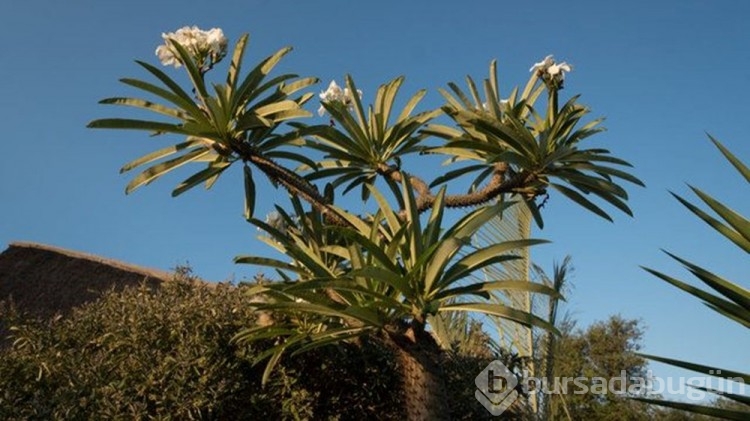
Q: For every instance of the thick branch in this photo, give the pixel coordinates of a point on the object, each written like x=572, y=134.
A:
x=294, y=184
x=499, y=184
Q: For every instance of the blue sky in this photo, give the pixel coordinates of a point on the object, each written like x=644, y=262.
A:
x=662, y=73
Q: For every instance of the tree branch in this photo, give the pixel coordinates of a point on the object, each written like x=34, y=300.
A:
x=499, y=184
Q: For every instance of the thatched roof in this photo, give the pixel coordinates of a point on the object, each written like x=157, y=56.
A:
x=44, y=280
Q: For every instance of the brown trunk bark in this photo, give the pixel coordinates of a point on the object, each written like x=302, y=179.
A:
x=425, y=395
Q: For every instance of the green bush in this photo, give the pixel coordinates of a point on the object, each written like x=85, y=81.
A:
x=133, y=354
x=168, y=354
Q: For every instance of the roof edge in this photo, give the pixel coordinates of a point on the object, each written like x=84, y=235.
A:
x=149, y=272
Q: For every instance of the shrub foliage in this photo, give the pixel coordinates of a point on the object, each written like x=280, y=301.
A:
x=168, y=354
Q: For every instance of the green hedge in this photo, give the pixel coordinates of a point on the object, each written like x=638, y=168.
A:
x=167, y=354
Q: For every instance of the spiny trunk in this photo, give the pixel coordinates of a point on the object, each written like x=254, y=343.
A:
x=297, y=186
x=423, y=384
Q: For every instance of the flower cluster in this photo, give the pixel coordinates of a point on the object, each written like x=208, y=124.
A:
x=551, y=71
x=335, y=93
x=206, y=47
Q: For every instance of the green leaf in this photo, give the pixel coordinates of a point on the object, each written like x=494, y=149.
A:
x=700, y=368
x=717, y=225
x=733, y=396
x=365, y=316
x=236, y=63
x=484, y=257
x=196, y=76
x=390, y=216
x=357, y=102
x=249, y=193
x=330, y=336
x=177, y=95
x=201, y=176
x=526, y=286
x=295, y=86
x=384, y=99
x=131, y=124
x=147, y=105
x=741, y=167
x=276, y=107
x=253, y=79
x=499, y=310
x=386, y=277
x=735, y=220
x=450, y=175
x=720, y=305
x=578, y=198
x=161, y=153
x=268, y=262
x=734, y=292
x=535, y=212
x=159, y=170
x=699, y=409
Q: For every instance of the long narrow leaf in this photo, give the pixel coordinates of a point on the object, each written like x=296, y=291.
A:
x=159, y=170
x=249, y=193
x=199, y=177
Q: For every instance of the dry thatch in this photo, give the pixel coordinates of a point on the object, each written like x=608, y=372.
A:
x=43, y=280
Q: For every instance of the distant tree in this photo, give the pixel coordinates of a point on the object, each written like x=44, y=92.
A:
x=606, y=350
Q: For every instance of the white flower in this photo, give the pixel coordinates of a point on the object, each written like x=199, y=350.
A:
x=559, y=69
x=206, y=47
x=335, y=93
x=551, y=71
x=216, y=40
x=167, y=56
x=544, y=64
